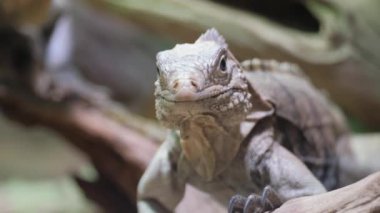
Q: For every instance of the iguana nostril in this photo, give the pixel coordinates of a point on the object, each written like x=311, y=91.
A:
x=194, y=84
x=184, y=84
x=184, y=89
x=175, y=85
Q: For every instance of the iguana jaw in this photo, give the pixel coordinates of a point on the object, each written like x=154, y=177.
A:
x=213, y=92
x=228, y=106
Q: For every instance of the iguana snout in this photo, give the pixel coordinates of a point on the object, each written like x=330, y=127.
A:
x=184, y=89
x=185, y=86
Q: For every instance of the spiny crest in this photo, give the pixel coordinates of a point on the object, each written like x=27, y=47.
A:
x=212, y=35
x=272, y=66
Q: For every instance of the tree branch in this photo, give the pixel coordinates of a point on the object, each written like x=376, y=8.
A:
x=362, y=196
x=120, y=152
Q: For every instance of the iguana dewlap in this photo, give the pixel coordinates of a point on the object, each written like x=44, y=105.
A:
x=237, y=128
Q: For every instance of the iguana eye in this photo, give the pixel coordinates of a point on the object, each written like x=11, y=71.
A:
x=222, y=64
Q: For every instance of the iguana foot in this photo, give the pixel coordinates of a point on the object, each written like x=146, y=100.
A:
x=268, y=201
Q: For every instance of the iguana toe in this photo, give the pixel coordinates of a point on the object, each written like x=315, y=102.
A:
x=253, y=204
x=236, y=204
x=269, y=199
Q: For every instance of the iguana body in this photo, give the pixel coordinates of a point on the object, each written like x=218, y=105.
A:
x=236, y=132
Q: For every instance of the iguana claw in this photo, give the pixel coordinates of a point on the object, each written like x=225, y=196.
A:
x=268, y=201
x=236, y=204
x=253, y=204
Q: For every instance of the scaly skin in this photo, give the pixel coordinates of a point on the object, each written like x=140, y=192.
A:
x=227, y=132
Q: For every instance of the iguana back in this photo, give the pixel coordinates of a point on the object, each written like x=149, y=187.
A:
x=308, y=124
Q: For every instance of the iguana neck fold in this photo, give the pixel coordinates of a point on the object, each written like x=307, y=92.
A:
x=209, y=144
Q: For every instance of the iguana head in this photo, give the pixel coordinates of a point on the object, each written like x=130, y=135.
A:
x=201, y=78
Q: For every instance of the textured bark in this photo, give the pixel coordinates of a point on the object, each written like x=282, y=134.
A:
x=120, y=152
x=362, y=196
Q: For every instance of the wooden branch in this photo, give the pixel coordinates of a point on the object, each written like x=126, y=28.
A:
x=120, y=152
x=362, y=196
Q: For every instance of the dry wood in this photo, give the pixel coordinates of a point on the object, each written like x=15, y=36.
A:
x=362, y=196
x=120, y=152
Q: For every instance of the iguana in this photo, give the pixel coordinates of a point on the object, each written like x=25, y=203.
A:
x=257, y=128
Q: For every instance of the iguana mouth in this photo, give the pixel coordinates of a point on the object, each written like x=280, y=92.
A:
x=207, y=94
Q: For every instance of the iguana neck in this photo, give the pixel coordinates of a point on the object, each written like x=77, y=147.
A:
x=209, y=144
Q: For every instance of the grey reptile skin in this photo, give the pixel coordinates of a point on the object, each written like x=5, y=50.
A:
x=254, y=128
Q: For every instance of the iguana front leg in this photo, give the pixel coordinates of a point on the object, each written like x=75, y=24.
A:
x=161, y=188
x=270, y=164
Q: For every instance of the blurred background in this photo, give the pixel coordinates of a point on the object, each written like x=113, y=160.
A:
x=77, y=126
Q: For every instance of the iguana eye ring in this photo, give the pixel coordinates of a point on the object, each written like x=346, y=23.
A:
x=223, y=64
